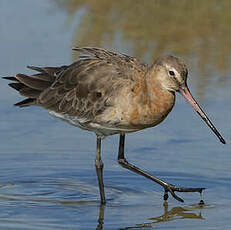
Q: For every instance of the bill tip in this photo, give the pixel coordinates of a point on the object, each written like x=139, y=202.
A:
x=223, y=141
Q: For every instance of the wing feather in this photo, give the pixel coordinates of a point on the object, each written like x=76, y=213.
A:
x=85, y=88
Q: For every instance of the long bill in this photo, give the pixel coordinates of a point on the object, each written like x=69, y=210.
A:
x=184, y=91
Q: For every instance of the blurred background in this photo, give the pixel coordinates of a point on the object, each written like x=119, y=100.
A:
x=47, y=174
x=196, y=30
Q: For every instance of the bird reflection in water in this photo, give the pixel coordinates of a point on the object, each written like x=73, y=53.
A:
x=175, y=213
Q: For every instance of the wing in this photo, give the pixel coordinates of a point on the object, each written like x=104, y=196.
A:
x=87, y=87
x=127, y=63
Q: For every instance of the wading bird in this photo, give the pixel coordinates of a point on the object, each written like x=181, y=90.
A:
x=111, y=93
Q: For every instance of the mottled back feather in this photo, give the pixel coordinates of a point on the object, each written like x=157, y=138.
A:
x=83, y=89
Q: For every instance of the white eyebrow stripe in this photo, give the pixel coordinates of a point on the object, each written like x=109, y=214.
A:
x=171, y=68
x=177, y=75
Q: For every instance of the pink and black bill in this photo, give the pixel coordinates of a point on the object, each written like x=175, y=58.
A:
x=184, y=91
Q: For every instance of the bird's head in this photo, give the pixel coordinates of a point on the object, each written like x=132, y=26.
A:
x=171, y=74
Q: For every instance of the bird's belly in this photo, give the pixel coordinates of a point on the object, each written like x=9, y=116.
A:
x=100, y=128
x=124, y=117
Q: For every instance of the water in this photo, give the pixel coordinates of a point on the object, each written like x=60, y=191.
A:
x=47, y=175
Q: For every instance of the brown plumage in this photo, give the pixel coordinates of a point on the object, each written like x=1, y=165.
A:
x=109, y=93
x=84, y=89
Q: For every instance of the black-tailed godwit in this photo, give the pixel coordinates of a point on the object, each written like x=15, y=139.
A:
x=111, y=93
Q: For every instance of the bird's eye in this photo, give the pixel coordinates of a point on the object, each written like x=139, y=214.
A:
x=171, y=73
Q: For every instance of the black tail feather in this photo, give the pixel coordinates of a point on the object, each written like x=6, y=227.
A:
x=28, y=92
x=26, y=102
x=11, y=79
x=38, y=69
x=33, y=83
x=17, y=86
x=32, y=86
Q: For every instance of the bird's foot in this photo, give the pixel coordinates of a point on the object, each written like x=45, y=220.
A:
x=169, y=188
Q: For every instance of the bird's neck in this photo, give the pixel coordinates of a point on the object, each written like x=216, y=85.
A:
x=160, y=101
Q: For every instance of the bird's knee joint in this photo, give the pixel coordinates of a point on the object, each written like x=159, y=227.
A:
x=122, y=161
x=99, y=164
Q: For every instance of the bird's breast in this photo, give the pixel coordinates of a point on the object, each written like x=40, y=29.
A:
x=152, y=111
x=134, y=109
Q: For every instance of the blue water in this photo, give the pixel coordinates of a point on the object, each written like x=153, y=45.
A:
x=47, y=174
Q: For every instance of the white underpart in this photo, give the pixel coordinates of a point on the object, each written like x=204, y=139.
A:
x=100, y=130
x=70, y=119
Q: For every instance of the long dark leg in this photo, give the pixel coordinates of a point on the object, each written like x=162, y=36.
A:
x=99, y=170
x=167, y=187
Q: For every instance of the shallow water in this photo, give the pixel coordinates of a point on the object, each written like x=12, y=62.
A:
x=47, y=175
